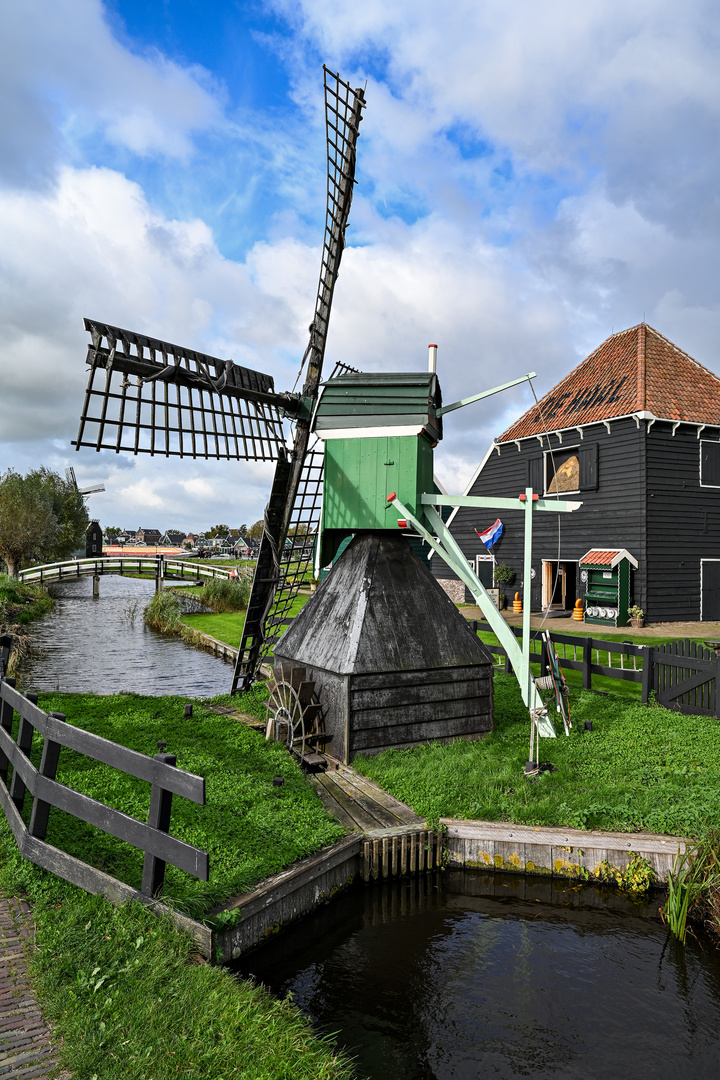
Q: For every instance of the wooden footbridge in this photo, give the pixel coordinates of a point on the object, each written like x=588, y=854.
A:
x=160, y=568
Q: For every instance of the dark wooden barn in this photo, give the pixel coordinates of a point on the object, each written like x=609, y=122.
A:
x=633, y=432
x=393, y=661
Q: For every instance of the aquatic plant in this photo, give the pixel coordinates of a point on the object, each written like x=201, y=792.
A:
x=694, y=887
x=224, y=594
x=163, y=613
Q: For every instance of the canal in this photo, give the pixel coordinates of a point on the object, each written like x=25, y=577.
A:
x=466, y=974
x=101, y=645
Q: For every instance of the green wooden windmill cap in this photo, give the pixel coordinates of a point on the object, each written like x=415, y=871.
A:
x=380, y=403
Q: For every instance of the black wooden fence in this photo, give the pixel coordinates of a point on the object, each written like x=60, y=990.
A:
x=682, y=674
x=152, y=837
x=585, y=654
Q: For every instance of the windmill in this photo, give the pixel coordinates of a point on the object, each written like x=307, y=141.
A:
x=145, y=395
x=72, y=479
x=372, y=436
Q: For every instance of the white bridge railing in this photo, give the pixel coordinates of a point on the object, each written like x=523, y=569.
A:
x=122, y=564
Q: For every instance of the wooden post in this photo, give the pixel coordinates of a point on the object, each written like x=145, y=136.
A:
x=6, y=641
x=24, y=741
x=158, y=818
x=647, y=673
x=48, y=767
x=716, y=686
x=96, y=584
x=587, y=661
x=6, y=720
x=366, y=861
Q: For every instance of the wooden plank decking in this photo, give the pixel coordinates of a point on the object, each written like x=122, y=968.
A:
x=358, y=803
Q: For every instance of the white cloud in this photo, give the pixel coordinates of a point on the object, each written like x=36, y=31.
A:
x=64, y=77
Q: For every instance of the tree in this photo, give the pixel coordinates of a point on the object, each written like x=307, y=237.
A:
x=217, y=530
x=256, y=530
x=42, y=517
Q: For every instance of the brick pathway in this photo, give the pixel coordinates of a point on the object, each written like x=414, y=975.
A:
x=26, y=1048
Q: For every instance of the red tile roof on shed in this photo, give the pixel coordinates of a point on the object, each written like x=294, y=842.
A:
x=599, y=557
x=637, y=370
x=606, y=557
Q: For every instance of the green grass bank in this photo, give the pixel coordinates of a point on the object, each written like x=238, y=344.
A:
x=125, y=989
x=641, y=768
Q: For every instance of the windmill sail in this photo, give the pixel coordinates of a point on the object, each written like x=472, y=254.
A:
x=265, y=620
x=288, y=569
x=148, y=396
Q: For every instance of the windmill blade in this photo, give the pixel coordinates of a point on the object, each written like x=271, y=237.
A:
x=269, y=609
x=343, y=113
x=180, y=403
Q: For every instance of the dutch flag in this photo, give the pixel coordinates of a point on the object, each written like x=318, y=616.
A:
x=491, y=535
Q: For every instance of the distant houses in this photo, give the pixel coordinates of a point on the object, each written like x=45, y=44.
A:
x=234, y=543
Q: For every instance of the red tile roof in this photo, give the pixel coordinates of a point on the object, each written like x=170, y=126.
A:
x=634, y=371
x=599, y=558
x=606, y=557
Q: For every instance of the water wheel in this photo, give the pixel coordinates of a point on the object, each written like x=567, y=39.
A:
x=294, y=717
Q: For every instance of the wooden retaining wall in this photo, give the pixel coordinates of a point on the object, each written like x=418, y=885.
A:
x=285, y=897
x=530, y=849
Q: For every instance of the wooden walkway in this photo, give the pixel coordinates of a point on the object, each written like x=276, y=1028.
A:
x=359, y=804
x=27, y=1051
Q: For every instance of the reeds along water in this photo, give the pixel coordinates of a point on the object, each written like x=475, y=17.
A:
x=694, y=888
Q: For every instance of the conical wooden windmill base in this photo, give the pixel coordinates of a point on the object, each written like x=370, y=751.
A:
x=393, y=661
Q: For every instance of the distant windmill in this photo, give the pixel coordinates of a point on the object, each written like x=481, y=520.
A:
x=72, y=479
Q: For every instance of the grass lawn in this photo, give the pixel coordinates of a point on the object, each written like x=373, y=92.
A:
x=131, y=999
x=250, y=827
x=20, y=604
x=228, y=627
x=125, y=989
x=642, y=768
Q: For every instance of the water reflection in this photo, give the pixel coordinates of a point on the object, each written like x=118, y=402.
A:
x=101, y=644
x=467, y=975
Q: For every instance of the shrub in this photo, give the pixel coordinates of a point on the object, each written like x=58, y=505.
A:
x=225, y=594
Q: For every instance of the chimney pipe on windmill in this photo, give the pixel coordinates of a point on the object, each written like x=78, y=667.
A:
x=432, y=358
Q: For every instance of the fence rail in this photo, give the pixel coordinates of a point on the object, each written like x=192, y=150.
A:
x=121, y=564
x=151, y=837
x=588, y=662
x=685, y=677
x=682, y=674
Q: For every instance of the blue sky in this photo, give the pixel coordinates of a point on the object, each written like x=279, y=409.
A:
x=532, y=174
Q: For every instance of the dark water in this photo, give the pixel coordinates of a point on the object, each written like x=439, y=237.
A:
x=101, y=644
x=468, y=975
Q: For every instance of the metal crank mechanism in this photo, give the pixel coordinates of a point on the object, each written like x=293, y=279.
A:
x=294, y=717
x=429, y=525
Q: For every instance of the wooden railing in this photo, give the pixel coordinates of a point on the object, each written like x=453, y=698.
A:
x=153, y=837
x=121, y=564
x=685, y=677
x=580, y=654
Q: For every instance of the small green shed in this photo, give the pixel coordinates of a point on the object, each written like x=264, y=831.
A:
x=379, y=432
x=606, y=574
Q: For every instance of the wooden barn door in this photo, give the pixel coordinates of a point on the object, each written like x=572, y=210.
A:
x=710, y=588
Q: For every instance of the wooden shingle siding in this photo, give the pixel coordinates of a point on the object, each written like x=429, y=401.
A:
x=683, y=522
x=611, y=516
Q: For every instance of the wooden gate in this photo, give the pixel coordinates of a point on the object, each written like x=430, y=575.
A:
x=684, y=677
